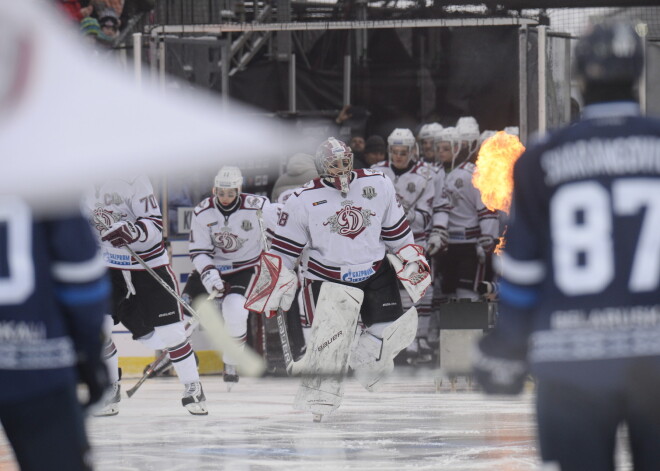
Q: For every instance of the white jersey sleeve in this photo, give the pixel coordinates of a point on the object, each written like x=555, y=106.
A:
x=200, y=246
x=147, y=215
x=440, y=200
x=395, y=232
x=291, y=233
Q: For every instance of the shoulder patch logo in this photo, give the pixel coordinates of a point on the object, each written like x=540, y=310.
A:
x=369, y=192
x=350, y=221
x=458, y=183
x=411, y=187
x=253, y=202
x=246, y=225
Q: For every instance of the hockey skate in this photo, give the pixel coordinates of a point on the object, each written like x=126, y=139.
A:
x=230, y=376
x=111, y=406
x=194, y=399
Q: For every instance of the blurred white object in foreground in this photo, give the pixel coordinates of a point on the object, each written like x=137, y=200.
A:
x=68, y=117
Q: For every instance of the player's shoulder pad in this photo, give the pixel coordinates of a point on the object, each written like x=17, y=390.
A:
x=205, y=204
x=421, y=168
x=310, y=185
x=368, y=172
x=381, y=164
x=468, y=167
x=253, y=202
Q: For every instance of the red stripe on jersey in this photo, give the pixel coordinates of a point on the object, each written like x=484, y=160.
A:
x=279, y=243
x=180, y=352
x=404, y=226
x=334, y=274
x=308, y=301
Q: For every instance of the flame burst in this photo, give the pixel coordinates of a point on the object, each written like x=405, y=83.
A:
x=494, y=173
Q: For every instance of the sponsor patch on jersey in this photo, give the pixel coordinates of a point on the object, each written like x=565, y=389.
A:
x=210, y=224
x=316, y=203
x=357, y=273
x=411, y=187
x=246, y=225
x=223, y=267
x=117, y=259
x=369, y=192
x=165, y=314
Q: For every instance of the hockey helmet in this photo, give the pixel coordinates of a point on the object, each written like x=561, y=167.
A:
x=609, y=53
x=229, y=177
x=404, y=138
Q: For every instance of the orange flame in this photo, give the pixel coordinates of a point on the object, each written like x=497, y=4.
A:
x=494, y=173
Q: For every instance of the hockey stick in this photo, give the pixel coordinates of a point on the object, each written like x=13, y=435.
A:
x=281, y=319
x=209, y=317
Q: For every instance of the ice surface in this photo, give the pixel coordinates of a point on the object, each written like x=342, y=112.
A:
x=407, y=425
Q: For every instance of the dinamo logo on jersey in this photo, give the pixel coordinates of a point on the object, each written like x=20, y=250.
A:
x=103, y=218
x=350, y=221
x=227, y=242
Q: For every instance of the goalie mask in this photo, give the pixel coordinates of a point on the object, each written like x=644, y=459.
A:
x=334, y=162
x=401, y=147
x=227, y=185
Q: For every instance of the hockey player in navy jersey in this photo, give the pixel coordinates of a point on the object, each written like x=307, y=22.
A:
x=53, y=293
x=346, y=221
x=580, y=291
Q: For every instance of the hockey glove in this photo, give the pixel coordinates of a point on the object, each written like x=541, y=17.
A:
x=438, y=240
x=94, y=373
x=211, y=280
x=121, y=233
x=487, y=243
x=274, y=287
x=412, y=269
x=499, y=368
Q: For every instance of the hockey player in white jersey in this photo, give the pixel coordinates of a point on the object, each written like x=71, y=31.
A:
x=347, y=220
x=425, y=139
x=415, y=188
x=125, y=213
x=225, y=245
x=473, y=228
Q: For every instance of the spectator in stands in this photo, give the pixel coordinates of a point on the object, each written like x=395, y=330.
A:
x=299, y=170
x=76, y=9
x=357, y=146
x=110, y=23
x=374, y=150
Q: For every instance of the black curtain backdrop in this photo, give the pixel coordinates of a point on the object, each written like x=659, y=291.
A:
x=472, y=72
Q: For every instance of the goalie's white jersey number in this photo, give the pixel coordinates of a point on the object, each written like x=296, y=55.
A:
x=17, y=281
x=581, y=223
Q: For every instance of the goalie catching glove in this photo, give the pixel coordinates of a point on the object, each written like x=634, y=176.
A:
x=412, y=269
x=274, y=287
x=212, y=281
x=122, y=233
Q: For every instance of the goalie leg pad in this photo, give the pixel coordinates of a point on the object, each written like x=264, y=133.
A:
x=373, y=358
x=326, y=358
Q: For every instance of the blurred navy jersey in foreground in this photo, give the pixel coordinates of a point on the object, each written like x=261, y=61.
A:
x=53, y=293
x=581, y=273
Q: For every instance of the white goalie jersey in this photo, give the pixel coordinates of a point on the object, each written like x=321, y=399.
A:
x=415, y=190
x=230, y=240
x=468, y=216
x=346, y=237
x=133, y=201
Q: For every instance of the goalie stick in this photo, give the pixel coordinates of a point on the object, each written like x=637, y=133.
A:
x=208, y=315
